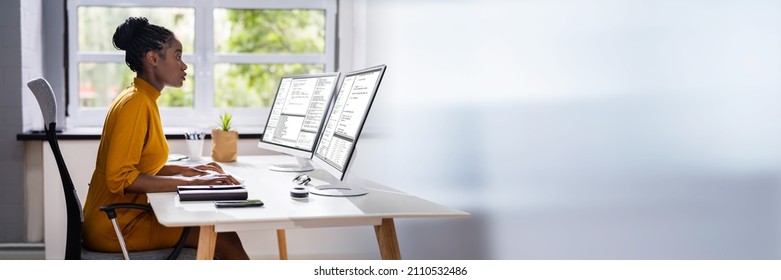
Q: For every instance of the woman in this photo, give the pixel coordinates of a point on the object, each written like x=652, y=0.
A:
x=133, y=151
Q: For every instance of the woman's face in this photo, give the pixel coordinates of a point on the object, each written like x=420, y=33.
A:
x=170, y=70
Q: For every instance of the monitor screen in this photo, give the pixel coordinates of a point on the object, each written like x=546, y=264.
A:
x=348, y=115
x=297, y=114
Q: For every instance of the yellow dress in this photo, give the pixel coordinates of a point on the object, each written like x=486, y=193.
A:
x=132, y=143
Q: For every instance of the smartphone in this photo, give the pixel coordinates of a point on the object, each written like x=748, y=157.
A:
x=238, y=203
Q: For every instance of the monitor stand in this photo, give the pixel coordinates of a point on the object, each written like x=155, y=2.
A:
x=338, y=190
x=303, y=165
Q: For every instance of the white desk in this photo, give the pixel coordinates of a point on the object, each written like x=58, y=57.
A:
x=378, y=208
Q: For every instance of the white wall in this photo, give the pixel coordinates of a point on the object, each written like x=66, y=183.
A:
x=18, y=20
x=32, y=61
x=32, y=67
x=601, y=129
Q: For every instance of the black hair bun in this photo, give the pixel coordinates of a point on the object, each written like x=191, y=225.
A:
x=127, y=30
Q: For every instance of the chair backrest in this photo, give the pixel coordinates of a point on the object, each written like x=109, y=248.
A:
x=45, y=96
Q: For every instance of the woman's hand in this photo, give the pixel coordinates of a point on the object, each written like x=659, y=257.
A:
x=214, y=179
x=167, y=179
x=200, y=170
x=212, y=166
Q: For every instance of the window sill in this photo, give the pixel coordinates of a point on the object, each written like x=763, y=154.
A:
x=93, y=133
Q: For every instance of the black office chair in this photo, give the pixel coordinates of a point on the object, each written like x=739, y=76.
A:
x=75, y=218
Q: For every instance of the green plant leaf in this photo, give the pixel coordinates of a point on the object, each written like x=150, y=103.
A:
x=225, y=122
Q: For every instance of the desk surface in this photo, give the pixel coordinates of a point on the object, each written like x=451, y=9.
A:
x=282, y=212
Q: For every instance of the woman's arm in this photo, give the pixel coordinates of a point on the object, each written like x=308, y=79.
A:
x=189, y=171
x=146, y=183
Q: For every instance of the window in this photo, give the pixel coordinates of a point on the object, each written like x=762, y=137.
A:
x=236, y=53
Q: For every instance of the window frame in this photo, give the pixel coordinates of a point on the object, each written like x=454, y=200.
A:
x=203, y=58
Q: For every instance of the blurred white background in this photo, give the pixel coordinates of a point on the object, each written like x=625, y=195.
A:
x=593, y=129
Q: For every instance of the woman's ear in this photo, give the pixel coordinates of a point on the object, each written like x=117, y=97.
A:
x=151, y=57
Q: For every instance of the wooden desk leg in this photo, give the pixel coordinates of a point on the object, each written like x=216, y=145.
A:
x=207, y=239
x=282, y=244
x=386, y=239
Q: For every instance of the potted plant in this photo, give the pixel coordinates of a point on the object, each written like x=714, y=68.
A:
x=225, y=140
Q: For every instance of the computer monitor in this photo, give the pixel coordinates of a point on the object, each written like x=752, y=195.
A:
x=336, y=146
x=296, y=118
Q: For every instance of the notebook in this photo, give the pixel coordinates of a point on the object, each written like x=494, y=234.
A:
x=206, y=192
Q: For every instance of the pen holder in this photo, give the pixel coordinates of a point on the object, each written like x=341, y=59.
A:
x=194, y=142
x=195, y=149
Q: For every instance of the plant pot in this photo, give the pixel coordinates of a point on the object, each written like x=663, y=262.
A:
x=224, y=145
